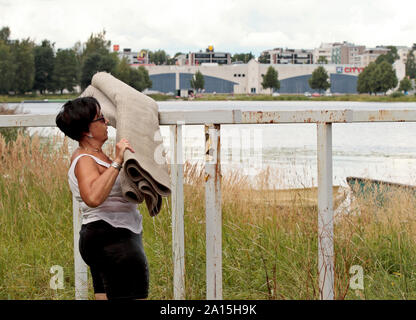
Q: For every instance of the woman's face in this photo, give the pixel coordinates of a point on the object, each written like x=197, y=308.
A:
x=98, y=127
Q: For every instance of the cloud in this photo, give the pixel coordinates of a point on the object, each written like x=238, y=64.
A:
x=229, y=25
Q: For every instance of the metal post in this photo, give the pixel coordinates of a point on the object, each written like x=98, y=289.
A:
x=178, y=242
x=325, y=213
x=213, y=212
x=80, y=268
x=81, y=271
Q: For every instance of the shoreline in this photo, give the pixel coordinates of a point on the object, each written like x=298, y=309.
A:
x=223, y=97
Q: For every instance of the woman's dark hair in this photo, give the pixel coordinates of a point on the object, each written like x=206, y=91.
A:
x=76, y=115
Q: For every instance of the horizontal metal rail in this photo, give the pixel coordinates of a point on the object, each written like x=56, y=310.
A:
x=241, y=117
x=212, y=120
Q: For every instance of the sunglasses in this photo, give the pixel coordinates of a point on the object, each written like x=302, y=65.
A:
x=99, y=119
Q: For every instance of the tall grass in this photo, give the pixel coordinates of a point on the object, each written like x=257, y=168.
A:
x=10, y=134
x=269, y=244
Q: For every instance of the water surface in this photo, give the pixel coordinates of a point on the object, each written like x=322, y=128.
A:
x=385, y=151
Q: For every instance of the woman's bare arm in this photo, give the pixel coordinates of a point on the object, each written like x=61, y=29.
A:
x=94, y=187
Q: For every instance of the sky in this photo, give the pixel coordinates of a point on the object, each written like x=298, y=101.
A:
x=233, y=26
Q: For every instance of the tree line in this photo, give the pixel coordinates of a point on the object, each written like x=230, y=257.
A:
x=28, y=67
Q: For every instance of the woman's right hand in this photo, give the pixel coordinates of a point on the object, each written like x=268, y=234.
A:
x=121, y=146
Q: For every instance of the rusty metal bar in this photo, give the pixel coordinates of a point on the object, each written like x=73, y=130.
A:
x=325, y=212
x=255, y=117
x=213, y=212
x=306, y=116
x=400, y=115
x=202, y=117
x=178, y=242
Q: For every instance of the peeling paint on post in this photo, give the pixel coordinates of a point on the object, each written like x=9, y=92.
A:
x=325, y=213
x=213, y=212
x=178, y=242
x=80, y=268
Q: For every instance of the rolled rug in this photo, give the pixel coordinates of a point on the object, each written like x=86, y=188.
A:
x=107, y=107
x=144, y=175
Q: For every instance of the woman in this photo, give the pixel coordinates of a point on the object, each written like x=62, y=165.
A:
x=111, y=233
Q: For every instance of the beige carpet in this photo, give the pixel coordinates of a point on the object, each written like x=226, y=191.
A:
x=144, y=175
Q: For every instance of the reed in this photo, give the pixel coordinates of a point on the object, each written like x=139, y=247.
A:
x=269, y=236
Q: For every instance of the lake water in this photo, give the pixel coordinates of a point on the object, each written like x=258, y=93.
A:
x=385, y=151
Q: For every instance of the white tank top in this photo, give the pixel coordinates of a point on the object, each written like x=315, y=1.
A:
x=115, y=210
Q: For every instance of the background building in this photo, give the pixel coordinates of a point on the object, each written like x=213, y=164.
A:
x=323, y=52
x=346, y=53
x=371, y=54
x=343, y=62
x=247, y=78
x=288, y=56
x=209, y=56
x=133, y=57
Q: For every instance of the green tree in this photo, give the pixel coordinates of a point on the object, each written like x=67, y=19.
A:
x=390, y=56
x=243, y=57
x=264, y=58
x=377, y=78
x=270, y=79
x=91, y=66
x=96, y=57
x=319, y=79
x=5, y=34
x=364, y=81
x=96, y=44
x=158, y=57
x=405, y=84
x=122, y=71
x=7, y=68
x=65, y=74
x=24, y=62
x=44, y=64
x=322, y=60
x=385, y=77
x=198, y=81
x=411, y=65
x=109, y=62
x=139, y=79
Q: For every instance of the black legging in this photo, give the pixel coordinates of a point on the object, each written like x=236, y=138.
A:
x=116, y=259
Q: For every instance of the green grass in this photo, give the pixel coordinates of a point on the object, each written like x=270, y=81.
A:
x=20, y=98
x=231, y=97
x=293, y=97
x=269, y=248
